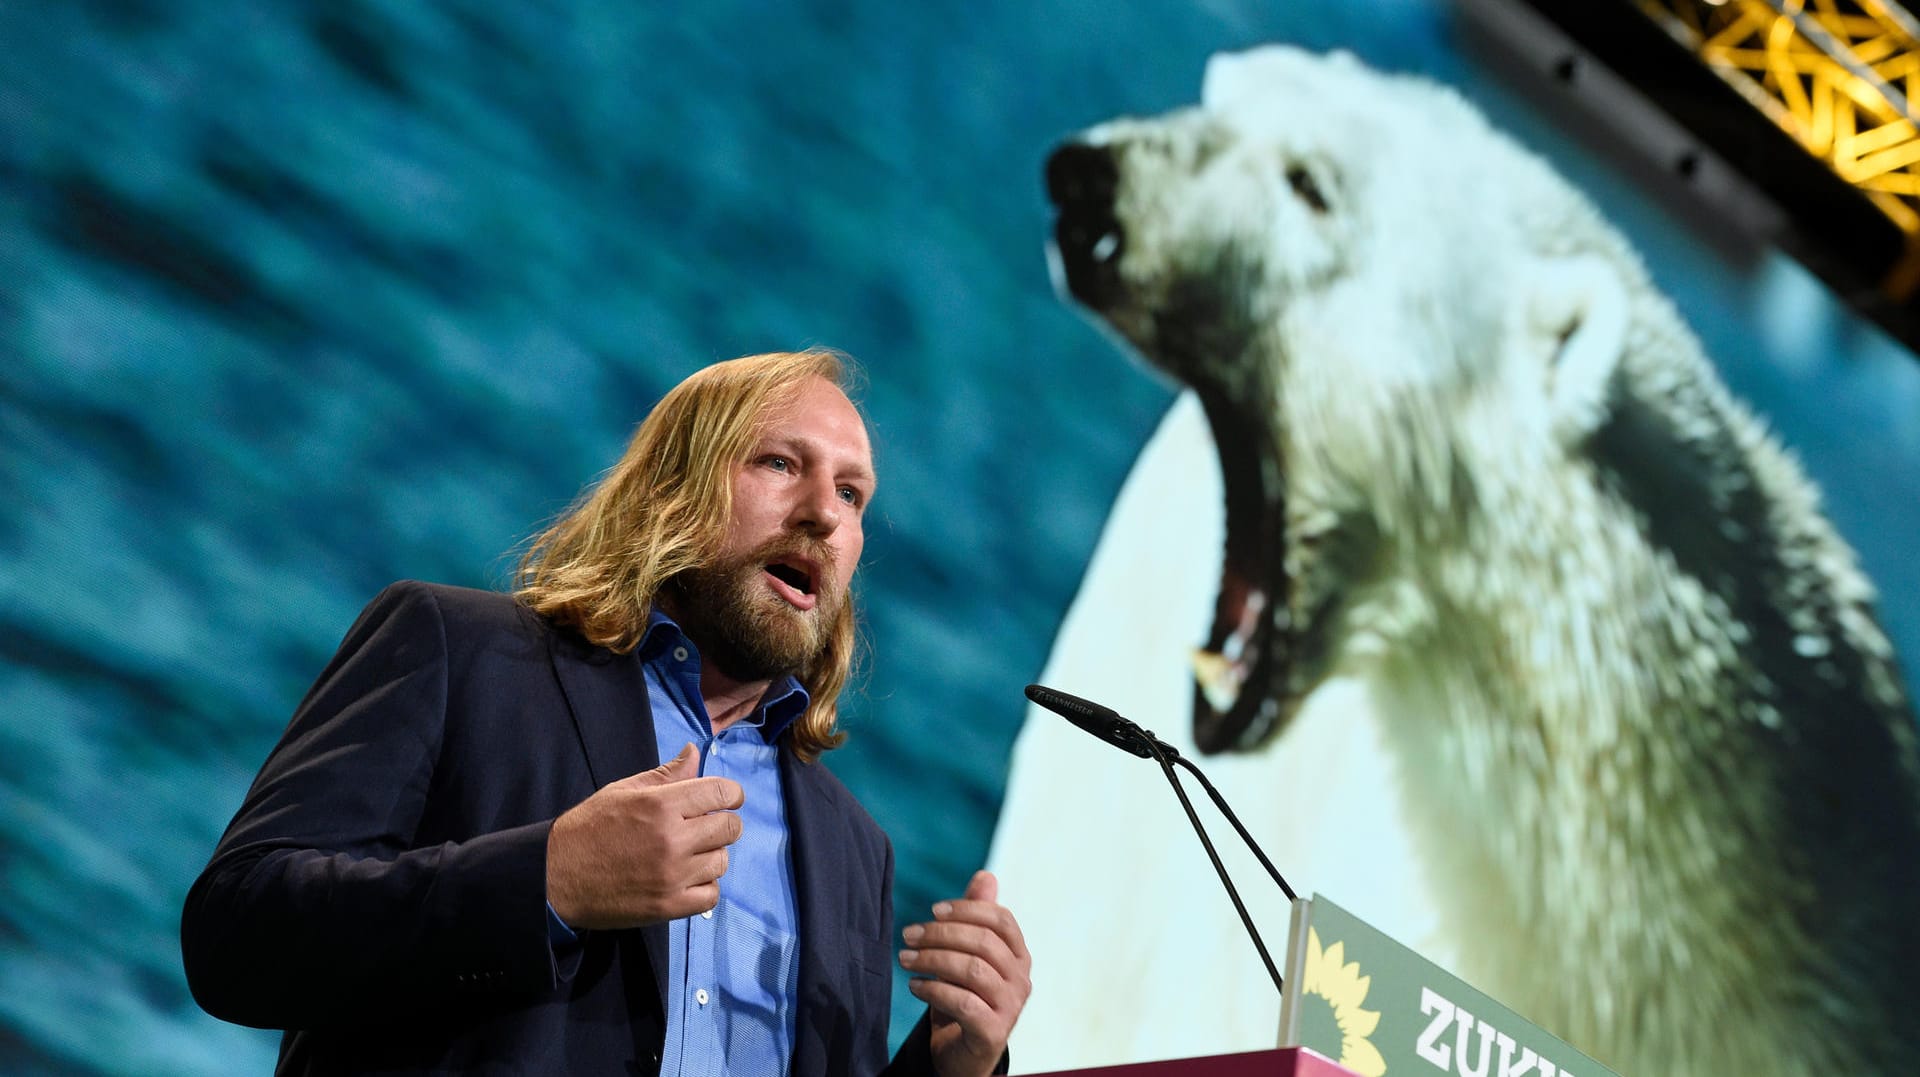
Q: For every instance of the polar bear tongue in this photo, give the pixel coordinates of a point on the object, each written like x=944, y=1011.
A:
x=1233, y=674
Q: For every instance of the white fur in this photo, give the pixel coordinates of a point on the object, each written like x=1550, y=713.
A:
x=1530, y=743
x=1137, y=952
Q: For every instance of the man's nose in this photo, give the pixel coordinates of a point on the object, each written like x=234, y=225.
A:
x=819, y=508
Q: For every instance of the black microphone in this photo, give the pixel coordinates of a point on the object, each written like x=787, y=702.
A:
x=1108, y=725
x=1102, y=722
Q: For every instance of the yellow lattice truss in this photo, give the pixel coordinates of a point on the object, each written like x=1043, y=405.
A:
x=1840, y=76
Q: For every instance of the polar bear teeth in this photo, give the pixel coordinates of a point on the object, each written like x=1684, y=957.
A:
x=1244, y=656
x=1221, y=669
x=1219, y=679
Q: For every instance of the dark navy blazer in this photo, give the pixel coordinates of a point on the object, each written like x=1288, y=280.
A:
x=381, y=893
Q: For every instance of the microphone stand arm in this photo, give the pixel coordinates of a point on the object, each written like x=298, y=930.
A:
x=1193, y=817
x=1221, y=803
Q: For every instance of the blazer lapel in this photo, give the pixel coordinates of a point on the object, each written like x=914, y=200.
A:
x=607, y=694
x=818, y=882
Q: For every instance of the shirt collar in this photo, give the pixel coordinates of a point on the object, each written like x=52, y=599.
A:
x=786, y=698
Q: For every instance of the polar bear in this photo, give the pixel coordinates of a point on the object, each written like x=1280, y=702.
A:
x=1524, y=629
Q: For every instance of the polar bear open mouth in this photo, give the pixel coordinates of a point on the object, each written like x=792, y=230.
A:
x=1239, y=674
x=1243, y=669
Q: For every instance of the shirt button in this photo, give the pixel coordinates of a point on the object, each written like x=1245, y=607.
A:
x=679, y=654
x=708, y=915
x=700, y=996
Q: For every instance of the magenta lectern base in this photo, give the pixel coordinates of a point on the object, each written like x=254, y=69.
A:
x=1290, y=1062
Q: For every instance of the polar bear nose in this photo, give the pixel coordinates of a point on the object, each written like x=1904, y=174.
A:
x=1080, y=175
x=1081, y=182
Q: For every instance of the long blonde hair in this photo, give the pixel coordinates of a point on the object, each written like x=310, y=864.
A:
x=664, y=509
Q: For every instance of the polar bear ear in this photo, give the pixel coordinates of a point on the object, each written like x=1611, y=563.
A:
x=1227, y=78
x=1232, y=77
x=1576, y=319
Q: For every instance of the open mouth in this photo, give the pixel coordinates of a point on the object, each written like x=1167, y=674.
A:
x=1239, y=674
x=1242, y=670
x=793, y=580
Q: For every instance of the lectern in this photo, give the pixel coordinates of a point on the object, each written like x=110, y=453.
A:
x=1378, y=1009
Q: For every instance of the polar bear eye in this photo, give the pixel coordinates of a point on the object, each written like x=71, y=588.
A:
x=1304, y=186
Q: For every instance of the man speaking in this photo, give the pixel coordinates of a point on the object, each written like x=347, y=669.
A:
x=584, y=828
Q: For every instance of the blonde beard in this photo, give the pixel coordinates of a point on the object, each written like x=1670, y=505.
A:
x=746, y=631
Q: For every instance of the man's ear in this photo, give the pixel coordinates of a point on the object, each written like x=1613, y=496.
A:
x=1574, y=325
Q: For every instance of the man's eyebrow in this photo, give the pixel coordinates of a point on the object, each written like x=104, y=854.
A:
x=863, y=473
x=782, y=442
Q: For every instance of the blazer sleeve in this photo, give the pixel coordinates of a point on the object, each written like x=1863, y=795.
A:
x=915, y=1056
x=317, y=909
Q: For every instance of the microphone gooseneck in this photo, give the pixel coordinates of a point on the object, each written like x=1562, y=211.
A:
x=1246, y=918
x=1108, y=725
x=1221, y=803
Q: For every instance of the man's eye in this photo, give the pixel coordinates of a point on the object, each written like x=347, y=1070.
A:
x=850, y=495
x=778, y=463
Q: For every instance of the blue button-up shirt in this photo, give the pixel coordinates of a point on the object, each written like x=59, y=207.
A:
x=732, y=973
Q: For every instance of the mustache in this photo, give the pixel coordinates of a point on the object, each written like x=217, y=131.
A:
x=799, y=547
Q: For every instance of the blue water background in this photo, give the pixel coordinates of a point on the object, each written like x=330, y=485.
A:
x=299, y=299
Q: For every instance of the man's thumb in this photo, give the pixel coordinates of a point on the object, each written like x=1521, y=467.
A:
x=983, y=887
x=678, y=769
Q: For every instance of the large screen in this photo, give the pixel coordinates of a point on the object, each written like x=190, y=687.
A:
x=1529, y=566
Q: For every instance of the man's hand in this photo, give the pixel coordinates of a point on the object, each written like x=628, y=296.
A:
x=979, y=977
x=644, y=849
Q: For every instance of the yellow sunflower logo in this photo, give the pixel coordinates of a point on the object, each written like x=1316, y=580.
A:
x=1331, y=977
